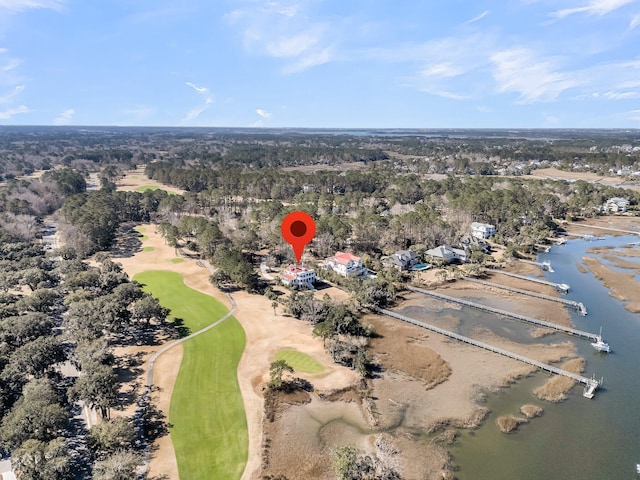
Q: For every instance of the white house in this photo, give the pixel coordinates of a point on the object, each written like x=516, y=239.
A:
x=482, y=230
x=447, y=254
x=6, y=472
x=298, y=276
x=617, y=205
x=345, y=264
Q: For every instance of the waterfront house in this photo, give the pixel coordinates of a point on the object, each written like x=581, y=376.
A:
x=482, y=230
x=345, y=264
x=403, y=259
x=447, y=254
x=617, y=205
x=298, y=276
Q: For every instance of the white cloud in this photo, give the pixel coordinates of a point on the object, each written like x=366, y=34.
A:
x=613, y=95
x=13, y=63
x=443, y=70
x=198, y=89
x=444, y=65
x=7, y=114
x=286, y=31
x=635, y=21
x=195, y=112
x=9, y=97
x=519, y=70
x=263, y=113
x=308, y=61
x=594, y=7
x=479, y=17
x=16, y=6
x=65, y=117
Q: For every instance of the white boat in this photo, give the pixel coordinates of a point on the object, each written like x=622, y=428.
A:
x=601, y=345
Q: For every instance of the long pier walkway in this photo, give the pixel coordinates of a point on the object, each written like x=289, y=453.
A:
x=582, y=310
x=561, y=287
x=543, y=265
x=522, y=318
x=610, y=229
x=591, y=384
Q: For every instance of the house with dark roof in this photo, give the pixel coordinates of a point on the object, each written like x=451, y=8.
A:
x=447, y=254
x=403, y=259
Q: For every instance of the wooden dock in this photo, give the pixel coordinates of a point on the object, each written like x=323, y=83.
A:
x=561, y=287
x=581, y=309
x=591, y=385
x=546, y=266
x=497, y=311
x=610, y=229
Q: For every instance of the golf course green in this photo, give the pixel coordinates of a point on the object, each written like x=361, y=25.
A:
x=300, y=362
x=209, y=426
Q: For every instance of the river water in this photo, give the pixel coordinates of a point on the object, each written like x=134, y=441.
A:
x=579, y=438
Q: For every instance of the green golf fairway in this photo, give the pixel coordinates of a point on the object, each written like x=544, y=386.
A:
x=209, y=431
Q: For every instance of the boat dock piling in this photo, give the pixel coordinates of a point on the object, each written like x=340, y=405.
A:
x=582, y=310
x=591, y=385
x=523, y=318
x=561, y=287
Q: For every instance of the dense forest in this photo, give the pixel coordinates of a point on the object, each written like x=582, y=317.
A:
x=60, y=320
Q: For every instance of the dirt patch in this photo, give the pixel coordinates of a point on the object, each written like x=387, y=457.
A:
x=557, y=388
x=621, y=285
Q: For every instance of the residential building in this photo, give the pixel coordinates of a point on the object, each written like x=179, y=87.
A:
x=298, y=276
x=617, y=205
x=403, y=259
x=345, y=264
x=482, y=230
x=447, y=254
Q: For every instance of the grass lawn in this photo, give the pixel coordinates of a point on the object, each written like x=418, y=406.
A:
x=141, y=231
x=209, y=432
x=177, y=260
x=148, y=249
x=301, y=362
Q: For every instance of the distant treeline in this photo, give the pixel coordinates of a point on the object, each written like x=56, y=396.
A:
x=24, y=150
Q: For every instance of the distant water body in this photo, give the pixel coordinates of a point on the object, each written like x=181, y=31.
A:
x=579, y=438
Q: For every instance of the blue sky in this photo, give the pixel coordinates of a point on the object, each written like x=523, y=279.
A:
x=315, y=63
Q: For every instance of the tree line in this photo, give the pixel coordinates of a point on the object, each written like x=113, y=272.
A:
x=56, y=348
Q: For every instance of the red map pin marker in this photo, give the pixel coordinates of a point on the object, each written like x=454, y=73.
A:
x=298, y=229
